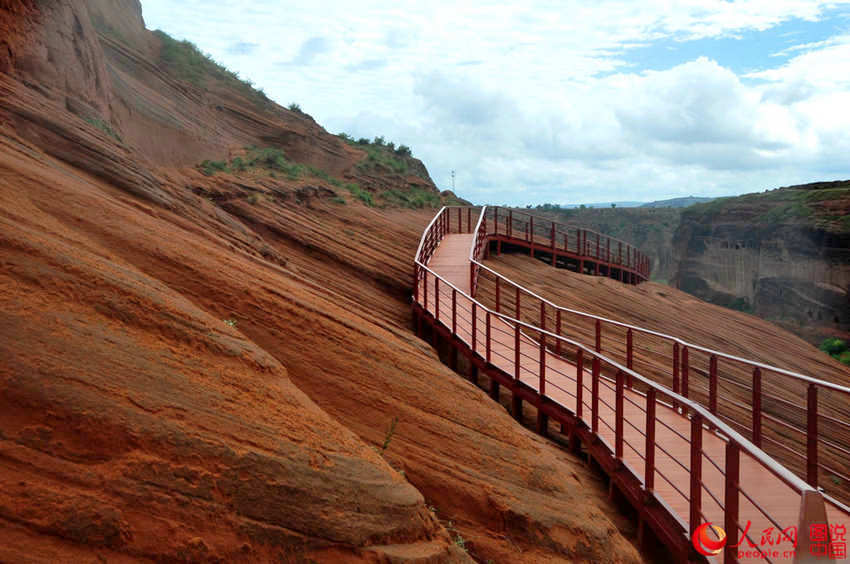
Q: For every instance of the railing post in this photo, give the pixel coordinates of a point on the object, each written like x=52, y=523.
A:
x=812, y=436
x=496, y=220
x=731, y=500
x=416, y=282
x=629, y=353
x=526, y=237
x=469, y=219
x=649, y=448
x=516, y=352
x=598, y=336
x=696, y=472
x=618, y=417
x=498, y=295
x=542, y=368
x=425, y=289
x=685, y=371
x=757, y=406
x=675, y=369
x=712, y=384
x=594, y=395
x=510, y=222
x=531, y=232
x=579, y=384
x=620, y=253
x=454, y=311
x=553, y=238
x=459, y=220
x=542, y=316
x=437, y=298
x=472, y=279
x=558, y=331
x=474, y=326
x=487, y=331
x=517, y=304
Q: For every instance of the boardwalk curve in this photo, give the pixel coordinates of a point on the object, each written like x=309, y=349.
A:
x=675, y=459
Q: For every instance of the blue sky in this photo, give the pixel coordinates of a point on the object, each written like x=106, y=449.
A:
x=558, y=101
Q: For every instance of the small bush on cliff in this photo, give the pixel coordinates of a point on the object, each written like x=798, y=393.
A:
x=360, y=193
x=389, y=436
x=837, y=349
x=211, y=167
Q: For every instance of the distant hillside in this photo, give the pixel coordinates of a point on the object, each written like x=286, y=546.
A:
x=677, y=202
x=782, y=254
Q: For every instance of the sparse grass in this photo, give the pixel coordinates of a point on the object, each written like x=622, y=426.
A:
x=339, y=200
x=414, y=198
x=360, y=193
x=211, y=167
x=269, y=158
x=185, y=61
x=382, y=155
x=105, y=127
x=389, y=436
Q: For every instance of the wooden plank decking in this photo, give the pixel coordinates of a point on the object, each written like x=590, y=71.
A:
x=672, y=458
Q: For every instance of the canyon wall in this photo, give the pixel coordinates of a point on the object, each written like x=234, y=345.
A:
x=783, y=255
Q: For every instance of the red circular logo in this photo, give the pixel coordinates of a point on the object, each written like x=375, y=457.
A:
x=703, y=541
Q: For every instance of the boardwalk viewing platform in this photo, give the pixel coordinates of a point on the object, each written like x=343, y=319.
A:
x=680, y=461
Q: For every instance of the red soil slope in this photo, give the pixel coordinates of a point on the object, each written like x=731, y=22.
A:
x=205, y=368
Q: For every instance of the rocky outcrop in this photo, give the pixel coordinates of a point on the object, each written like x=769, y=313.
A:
x=783, y=255
x=205, y=368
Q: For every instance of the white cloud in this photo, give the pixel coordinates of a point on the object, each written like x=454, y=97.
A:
x=541, y=96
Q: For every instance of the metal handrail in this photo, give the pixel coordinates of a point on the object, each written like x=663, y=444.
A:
x=766, y=460
x=636, y=268
x=753, y=363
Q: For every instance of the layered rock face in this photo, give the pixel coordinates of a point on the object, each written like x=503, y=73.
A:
x=783, y=255
x=206, y=368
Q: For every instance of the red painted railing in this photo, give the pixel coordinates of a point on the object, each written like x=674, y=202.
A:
x=698, y=372
x=585, y=244
x=473, y=324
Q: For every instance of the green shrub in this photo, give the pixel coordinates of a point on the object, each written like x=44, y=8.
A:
x=844, y=358
x=238, y=164
x=741, y=304
x=360, y=194
x=833, y=346
x=211, y=167
x=293, y=107
x=414, y=198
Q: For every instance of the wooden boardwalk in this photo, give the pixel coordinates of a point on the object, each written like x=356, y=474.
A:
x=672, y=454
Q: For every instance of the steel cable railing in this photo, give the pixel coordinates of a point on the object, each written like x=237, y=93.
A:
x=699, y=417
x=748, y=407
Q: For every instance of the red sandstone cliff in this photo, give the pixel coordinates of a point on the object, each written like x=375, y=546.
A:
x=204, y=368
